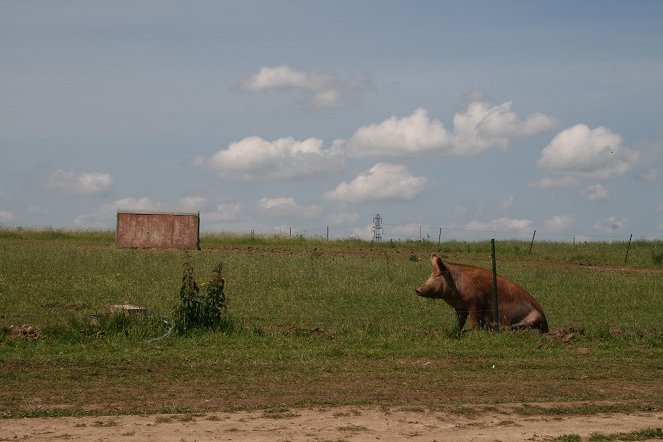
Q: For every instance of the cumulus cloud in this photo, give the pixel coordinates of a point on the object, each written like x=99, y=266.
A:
x=223, y=213
x=193, y=202
x=596, y=192
x=383, y=181
x=558, y=181
x=106, y=214
x=610, y=225
x=255, y=158
x=83, y=182
x=581, y=152
x=482, y=126
x=559, y=222
x=287, y=207
x=322, y=90
x=507, y=202
x=503, y=224
x=652, y=176
x=408, y=136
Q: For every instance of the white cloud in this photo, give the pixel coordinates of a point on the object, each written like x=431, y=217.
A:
x=610, y=225
x=558, y=181
x=106, y=214
x=6, y=216
x=323, y=90
x=193, y=202
x=581, y=152
x=287, y=207
x=83, y=182
x=400, y=137
x=503, y=224
x=285, y=77
x=596, y=192
x=507, y=202
x=482, y=126
x=254, y=158
x=383, y=181
x=559, y=222
x=651, y=177
x=485, y=125
x=133, y=204
x=223, y=212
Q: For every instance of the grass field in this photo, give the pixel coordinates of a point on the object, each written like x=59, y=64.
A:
x=313, y=322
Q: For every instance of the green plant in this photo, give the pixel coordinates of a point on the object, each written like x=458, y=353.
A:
x=657, y=258
x=197, y=310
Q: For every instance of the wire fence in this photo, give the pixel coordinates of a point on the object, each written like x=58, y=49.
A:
x=615, y=249
x=416, y=232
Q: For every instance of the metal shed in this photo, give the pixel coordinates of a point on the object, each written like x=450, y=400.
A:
x=160, y=230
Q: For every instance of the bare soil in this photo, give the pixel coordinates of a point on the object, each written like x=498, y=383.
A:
x=330, y=424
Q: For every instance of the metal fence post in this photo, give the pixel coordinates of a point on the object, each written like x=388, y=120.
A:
x=628, y=247
x=497, y=310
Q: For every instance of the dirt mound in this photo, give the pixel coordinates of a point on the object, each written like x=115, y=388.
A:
x=25, y=332
x=565, y=334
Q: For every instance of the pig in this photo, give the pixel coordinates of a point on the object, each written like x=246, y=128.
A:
x=469, y=290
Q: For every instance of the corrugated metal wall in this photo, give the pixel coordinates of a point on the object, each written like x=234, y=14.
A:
x=158, y=230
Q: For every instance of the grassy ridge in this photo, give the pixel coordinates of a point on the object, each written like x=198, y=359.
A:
x=317, y=322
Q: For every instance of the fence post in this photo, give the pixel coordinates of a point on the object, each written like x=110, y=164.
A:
x=497, y=310
x=532, y=243
x=439, y=238
x=628, y=247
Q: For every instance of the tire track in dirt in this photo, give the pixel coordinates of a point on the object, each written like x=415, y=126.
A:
x=316, y=424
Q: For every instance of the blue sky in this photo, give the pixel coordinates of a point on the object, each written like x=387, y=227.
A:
x=483, y=118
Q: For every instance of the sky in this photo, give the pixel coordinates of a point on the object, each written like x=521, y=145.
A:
x=462, y=120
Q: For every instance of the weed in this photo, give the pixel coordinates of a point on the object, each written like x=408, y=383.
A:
x=657, y=258
x=567, y=438
x=197, y=310
x=353, y=428
x=108, y=423
x=646, y=434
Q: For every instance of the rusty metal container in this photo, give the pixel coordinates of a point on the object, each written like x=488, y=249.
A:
x=159, y=230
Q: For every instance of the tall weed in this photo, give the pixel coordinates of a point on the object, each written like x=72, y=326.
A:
x=200, y=310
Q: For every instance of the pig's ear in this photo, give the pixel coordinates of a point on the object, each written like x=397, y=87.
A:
x=438, y=265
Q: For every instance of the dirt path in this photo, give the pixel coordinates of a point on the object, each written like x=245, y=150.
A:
x=343, y=423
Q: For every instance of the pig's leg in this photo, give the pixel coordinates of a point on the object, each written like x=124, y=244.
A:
x=476, y=319
x=462, y=317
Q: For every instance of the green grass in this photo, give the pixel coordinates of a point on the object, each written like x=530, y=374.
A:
x=316, y=322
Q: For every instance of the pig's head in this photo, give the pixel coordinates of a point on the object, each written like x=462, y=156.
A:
x=438, y=282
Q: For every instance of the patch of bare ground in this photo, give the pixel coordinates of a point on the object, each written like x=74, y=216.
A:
x=476, y=423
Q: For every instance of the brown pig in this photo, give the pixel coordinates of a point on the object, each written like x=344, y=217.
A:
x=469, y=290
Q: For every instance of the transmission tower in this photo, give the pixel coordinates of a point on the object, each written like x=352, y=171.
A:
x=377, y=228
